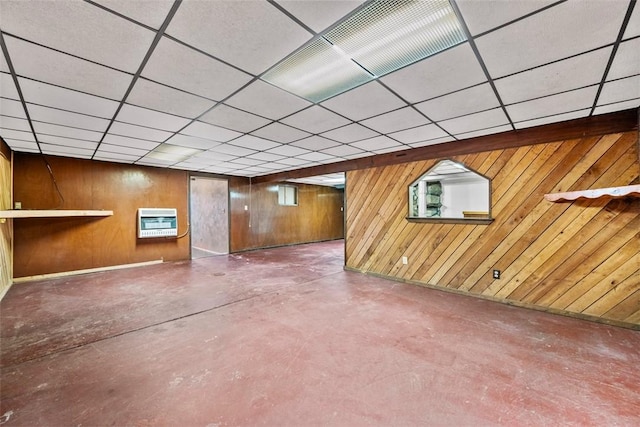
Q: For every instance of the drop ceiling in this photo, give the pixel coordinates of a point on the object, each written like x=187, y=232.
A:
x=182, y=84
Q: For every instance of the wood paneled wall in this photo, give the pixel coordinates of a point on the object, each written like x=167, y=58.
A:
x=317, y=217
x=6, y=226
x=65, y=244
x=580, y=258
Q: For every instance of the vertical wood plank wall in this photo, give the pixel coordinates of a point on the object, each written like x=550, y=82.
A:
x=317, y=217
x=580, y=258
x=52, y=245
x=6, y=227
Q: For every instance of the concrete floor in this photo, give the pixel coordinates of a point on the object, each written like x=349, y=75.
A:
x=286, y=337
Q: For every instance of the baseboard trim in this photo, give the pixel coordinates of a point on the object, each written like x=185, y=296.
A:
x=514, y=303
x=85, y=271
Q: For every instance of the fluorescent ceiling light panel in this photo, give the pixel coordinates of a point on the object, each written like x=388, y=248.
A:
x=382, y=37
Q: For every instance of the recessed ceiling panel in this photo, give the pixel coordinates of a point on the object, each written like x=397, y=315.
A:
x=233, y=150
x=30, y=60
x=553, y=119
x=10, y=107
x=555, y=104
x=315, y=120
x=129, y=142
x=211, y=157
x=207, y=131
x=482, y=132
x=620, y=90
x=378, y=143
x=315, y=143
x=319, y=14
x=67, y=118
x=256, y=34
x=420, y=133
x=472, y=100
x=192, y=142
x=294, y=162
x=448, y=71
x=481, y=16
x=231, y=118
x=69, y=132
x=148, y=12
x=396, y=120
x=14, y=123
x=266, y=100
x=432, y=142
x=633, y=27
x=115, y=157
x=634, y=103
x=24, y=146
x=158, y=97
x=8, y=87
x=125, y=129
x=79, y=28
x=317, y=157
x=342, y=150
x=254, y=143
x=65, y=99
x=266, y=157
x=181, y=67
x=130, y=151
x=566, y=29
x=473, y=122
x=17, y=134
x=627, y=60
x=288, y=150
x=350, y=133
x=364, y=102
x=58, y=150
x=153, y=119
x=67, y=142
x=281, y=133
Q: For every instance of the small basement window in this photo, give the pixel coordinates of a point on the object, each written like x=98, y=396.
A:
x=288, y=195
x=450, y=192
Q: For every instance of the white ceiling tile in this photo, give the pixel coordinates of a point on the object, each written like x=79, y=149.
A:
x=231, y=118
x=481, y=16
x=148, y=12
x=315, y=120
x=421, y=133
x=342, y=150
x=634, y=103
x=153, y=119
x=553, y=119
x=207, y=131
x=293, y=161
x=555, y=104
x=288, y=150
x=150, y=161
x=488, y=131
x=4, y=67
x=389, y=150
x=477, y=121
x=17, y=134
x=315, y=143
x=573, y=73
x=39, y=63
x=7, y=87
x=152, y=95
x=365, y=101
x=266, y=157
x=211, y=156
x=256, y=34
x=446, y=72
x=281, y=133
x=83, y=153
x=350, y=133
x=472, y=100
x=569, y=28
x=11, y=107
x=192, y=142
x=19, y=145
x=129, y=142
x=65, y=99
x=620, y=90
x=79, y=28
x=243, y=161
x=7, y=122
x=254, y=143
x=181, y=67
x=66, y=118
x=129, y=151
x=633, y=27
x=115, y=158
x=316, y=157
x=69, y=132
x=378, y=143
x=627, y=60
x=432, y=142
x=233, y=150
x=396, y=120
x=319, y=14
x=125, y=129
x=68, y=142
x=266, y=100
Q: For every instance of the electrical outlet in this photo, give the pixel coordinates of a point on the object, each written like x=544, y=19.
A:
x=496, y=274
x=405, y=260
x=17, y=205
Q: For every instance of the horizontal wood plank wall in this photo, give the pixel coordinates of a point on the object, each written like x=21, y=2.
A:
x=580, y=258
x=6, y=226
x=52, y=245
x=317, y=217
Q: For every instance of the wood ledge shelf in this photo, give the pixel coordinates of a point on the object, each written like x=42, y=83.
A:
x=55, y=213
x=600, y=193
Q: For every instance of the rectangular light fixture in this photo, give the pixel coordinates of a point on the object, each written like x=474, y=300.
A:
x=170, y=152
x=380, y=38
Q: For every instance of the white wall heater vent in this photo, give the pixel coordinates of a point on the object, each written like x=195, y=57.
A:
x=157, y=222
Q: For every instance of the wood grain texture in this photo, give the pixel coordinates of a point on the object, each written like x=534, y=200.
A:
x=580, y=258
x=51, y=245
x=317, y=217
x=6, y=226
x=610, y=193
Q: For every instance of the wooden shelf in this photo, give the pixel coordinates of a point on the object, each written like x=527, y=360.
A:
x=600, y=193
x=57, y=213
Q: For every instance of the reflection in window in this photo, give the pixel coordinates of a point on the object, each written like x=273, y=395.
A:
x=450, y=190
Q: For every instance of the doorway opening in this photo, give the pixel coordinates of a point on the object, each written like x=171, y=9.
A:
x=209, y=210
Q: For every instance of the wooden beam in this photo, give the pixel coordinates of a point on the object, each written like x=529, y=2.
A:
x=620, y=121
